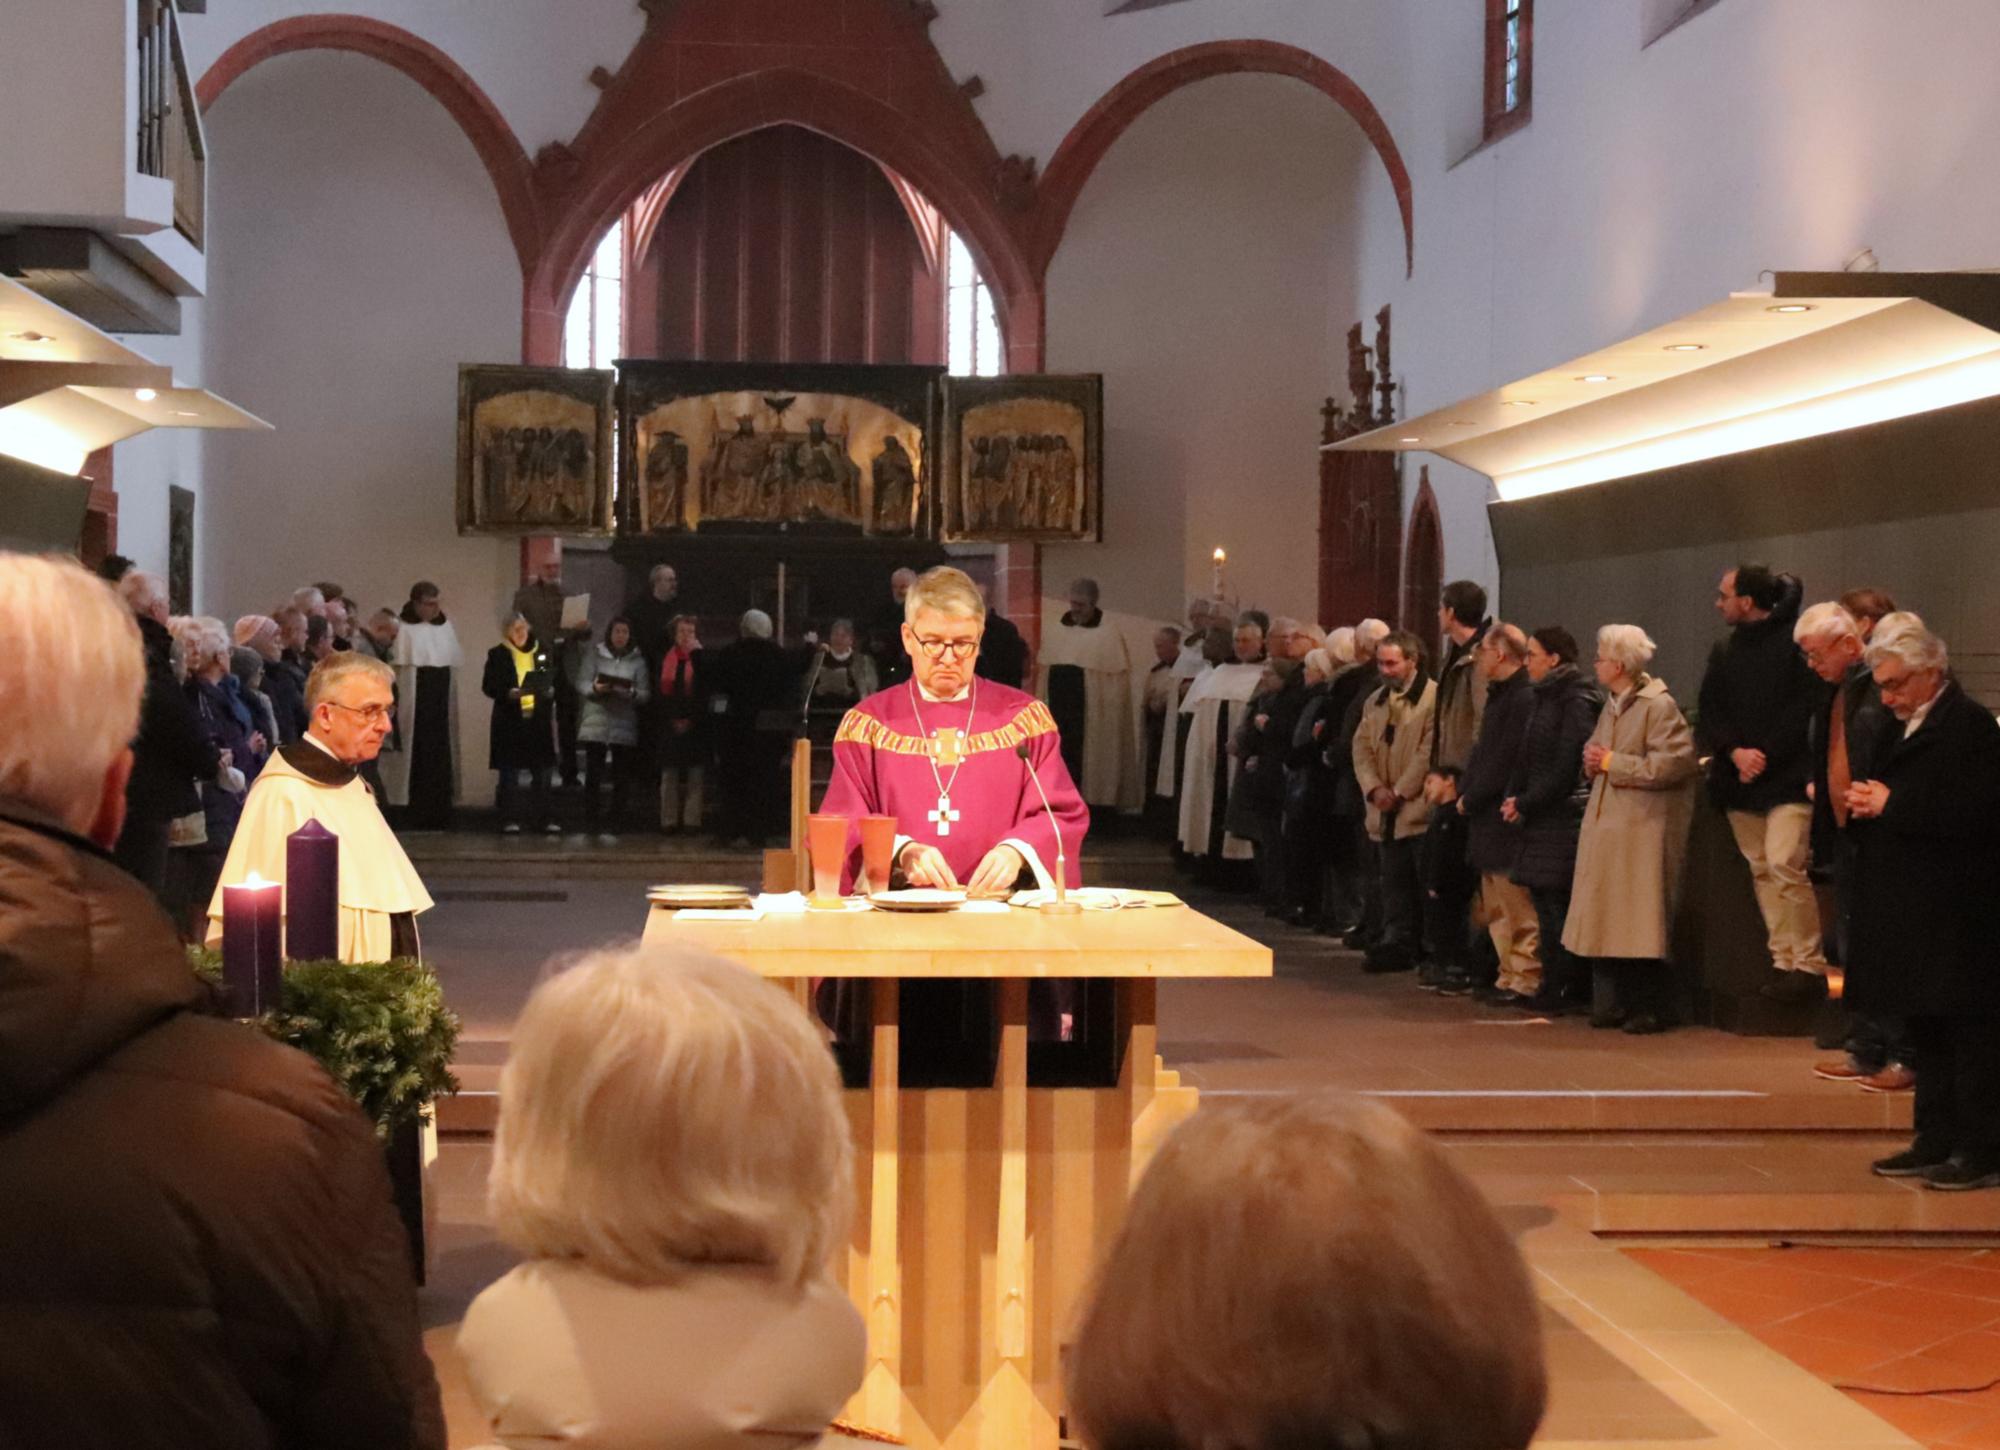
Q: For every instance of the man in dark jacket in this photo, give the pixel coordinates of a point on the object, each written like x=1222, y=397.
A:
x=201, y=1244
x=1491, y=843
x=1545, y=801
x=754, y=692
x=1357, y=909
x=1847, y=732
x=1757, y=700
x=172, y=751
x=1925, y=939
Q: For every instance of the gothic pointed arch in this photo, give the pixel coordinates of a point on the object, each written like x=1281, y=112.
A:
x=1423, y=565
x=491, y=137
x=1092, y=136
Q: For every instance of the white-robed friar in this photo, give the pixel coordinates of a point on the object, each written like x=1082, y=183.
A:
x=421, y=772
x=1214, y=702
x=1086, y=678
x=318, y=779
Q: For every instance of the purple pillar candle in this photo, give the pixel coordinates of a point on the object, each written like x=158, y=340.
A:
x=312, y=884
x=252, y=964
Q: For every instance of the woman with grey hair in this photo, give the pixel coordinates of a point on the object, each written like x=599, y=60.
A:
x=1642, y=768
x=1924, y=940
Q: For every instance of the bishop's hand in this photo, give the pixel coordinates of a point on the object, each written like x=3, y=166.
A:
x=925, y=866
x=996, y=873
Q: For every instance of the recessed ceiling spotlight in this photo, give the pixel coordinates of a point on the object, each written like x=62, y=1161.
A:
x=1791, y=307
x=1517, y=402
x=1595, y=378
x=29, y=337
x=179, y=413
x=1409, y=440
x=144, y=395
x=1687, y=347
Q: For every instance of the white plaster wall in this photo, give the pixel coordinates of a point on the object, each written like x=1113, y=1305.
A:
x=532, y=57
x=359, y=257
x=143, y=468
x=1207, y=268
x=1763, y=134
x=64, y=148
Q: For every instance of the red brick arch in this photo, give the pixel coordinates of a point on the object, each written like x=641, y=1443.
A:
x=633, y=156
x=491, y=137
x=1092, y=136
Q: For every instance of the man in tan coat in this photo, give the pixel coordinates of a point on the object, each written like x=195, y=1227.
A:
x=1392, y=754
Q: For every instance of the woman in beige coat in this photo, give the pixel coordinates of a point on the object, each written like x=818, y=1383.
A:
x=1642, y=766
x=673, y=1159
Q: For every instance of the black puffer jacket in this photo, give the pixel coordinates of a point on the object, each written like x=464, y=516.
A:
x=1492, y=843
x=200, y=1247
x=1759, y=694
x=1548, y=784
x=172, y=751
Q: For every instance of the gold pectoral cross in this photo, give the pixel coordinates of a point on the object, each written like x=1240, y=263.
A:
x=948, y=746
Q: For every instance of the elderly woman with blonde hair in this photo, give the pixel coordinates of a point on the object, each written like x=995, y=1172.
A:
x=1307, y=1271
x=1642, y=768
x=673, y=1158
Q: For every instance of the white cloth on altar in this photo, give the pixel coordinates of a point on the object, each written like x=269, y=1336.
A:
x=1208, y=701
x=377, y=880
x=419, y=646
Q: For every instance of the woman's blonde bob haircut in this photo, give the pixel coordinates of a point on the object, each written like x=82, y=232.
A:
x=946, y=590
x=662, y=1111
x=1307, y=1272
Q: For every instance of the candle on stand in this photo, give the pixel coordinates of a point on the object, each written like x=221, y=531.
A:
x=252, y=961
x=312, y=886
x=1217, y=590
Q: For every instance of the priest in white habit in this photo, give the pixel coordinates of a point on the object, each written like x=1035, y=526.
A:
x=1086, y=675
x=1215, y=705
x=318, y=778
x=421, y=778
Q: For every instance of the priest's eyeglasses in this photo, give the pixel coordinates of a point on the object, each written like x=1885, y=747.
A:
x=369, y=713
x=958, y=649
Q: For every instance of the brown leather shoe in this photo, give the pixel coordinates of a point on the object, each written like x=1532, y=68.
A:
x=1895, y=1078
x=1840, y=1069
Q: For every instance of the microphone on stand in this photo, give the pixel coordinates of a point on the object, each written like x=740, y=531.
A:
x=812, y=681
x=1061, y=905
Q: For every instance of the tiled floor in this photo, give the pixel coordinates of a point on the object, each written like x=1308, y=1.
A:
x=1888, y=1319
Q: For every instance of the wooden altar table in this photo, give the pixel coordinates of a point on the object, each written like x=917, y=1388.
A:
x=981, y=1212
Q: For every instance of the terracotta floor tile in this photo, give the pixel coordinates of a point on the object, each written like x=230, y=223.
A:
x=1981, y=1434
x=1830, y=1359
x=1857, y=1326
x=1977, y=1278
x=1932, y=1421
x=1967, y=1359
x=1948, y=1313
x=1743, y=1308
x=1807, y=1288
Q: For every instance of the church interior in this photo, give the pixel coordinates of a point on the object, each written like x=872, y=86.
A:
x=1224, y=349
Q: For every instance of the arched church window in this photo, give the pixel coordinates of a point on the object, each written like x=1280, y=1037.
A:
x=1510, y=26
x=972, y=329
x=594, y=331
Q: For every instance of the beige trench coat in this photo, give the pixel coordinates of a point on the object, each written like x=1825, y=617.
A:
x=1635, y=828
x=1398, y=759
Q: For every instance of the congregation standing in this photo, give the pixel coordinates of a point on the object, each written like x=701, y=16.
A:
x=1511, y=823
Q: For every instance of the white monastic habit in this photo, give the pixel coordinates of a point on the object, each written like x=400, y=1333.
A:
x=1214, y=701
x=1086, y=676
x=304, y=782
x=425, y=655
x=950, y=772
x=1188, y=668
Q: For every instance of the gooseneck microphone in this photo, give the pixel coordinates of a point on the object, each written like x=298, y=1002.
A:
x=1061, y=905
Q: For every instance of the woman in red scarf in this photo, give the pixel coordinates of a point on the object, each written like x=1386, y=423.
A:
x=680, y=719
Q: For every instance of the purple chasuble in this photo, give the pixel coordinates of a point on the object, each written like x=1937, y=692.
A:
x=883, y=759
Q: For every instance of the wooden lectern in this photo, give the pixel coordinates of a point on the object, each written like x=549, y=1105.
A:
x=982, y=1211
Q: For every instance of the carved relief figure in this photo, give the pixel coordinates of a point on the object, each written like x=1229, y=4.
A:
x=895, y=480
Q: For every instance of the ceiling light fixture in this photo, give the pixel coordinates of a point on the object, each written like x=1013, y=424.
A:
x=1791, y=307
x=1595, y=378
x=1517, y=402
x=1687, y=347
x=30, y=336
x=1409, y=440
x=181, y=413
x=144, y=395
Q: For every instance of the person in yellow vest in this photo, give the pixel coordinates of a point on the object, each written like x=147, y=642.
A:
x=521, y=683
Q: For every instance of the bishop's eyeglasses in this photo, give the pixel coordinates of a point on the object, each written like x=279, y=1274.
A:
x=958, y=649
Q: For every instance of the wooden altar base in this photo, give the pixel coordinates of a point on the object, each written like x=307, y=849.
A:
x=981, y=1212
